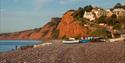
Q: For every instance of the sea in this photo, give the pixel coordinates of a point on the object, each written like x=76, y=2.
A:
x=9, y=45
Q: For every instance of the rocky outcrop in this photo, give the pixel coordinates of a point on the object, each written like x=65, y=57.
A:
x=69, y=27
x=35, y=35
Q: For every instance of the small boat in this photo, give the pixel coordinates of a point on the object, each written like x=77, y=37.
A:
x=70, y=41
x=84, y=41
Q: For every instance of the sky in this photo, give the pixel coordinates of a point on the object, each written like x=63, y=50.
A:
x=19, y=15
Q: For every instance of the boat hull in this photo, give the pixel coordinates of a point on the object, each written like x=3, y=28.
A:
x=70, y=42
x=84, y=41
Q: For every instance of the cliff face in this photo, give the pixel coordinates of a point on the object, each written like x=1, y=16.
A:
x=68, y=27
x=56, y=28
x=38, y=33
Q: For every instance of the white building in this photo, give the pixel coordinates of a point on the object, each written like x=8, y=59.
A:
x=109, y=13
x=89, y=15
x=119, y=11
x=98, y=12
x=95, y=13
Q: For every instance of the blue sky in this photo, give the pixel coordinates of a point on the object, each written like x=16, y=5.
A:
x=17, y=15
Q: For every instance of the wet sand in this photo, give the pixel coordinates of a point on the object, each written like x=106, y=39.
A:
x=68, y=53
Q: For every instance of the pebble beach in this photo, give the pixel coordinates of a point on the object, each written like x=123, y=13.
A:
x=58, y=52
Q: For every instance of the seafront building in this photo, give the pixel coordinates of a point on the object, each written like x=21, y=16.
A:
x=119, y=12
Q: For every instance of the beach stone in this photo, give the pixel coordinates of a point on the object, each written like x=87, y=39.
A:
x=69, y=53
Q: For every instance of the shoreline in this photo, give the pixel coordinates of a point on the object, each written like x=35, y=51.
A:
x=68, y=53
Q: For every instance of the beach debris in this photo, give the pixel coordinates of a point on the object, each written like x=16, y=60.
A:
x=70, y=41
x=41, y=45
x=122, y=38
x=25, y=47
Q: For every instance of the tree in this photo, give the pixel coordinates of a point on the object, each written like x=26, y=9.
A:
x=79, y=13
x=88, y=8
x=101, y=19
x=112, y=20
x=118, y=5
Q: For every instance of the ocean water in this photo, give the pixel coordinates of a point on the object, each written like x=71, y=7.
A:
x=8, y=45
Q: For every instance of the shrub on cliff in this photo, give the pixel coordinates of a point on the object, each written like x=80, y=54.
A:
x=55, y=34
x=5, y=34
x=112, y=21
x=117, y=26
x=54, y=22
x=101, y=19
x=36, y=29
x=71, y=10
x=104, y=33
x=121, y=19
x=88, y=8
x=45, y=33
x=78, y=14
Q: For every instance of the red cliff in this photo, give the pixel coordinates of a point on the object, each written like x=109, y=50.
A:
x=69, y=27
x=66, y=26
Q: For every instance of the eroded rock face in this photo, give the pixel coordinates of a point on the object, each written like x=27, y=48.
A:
x=23, y=35
x=46, y=31
x=35, y=35
x=69, y=27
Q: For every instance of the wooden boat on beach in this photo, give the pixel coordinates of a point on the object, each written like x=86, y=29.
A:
x=70, y=41
x=84, y=41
